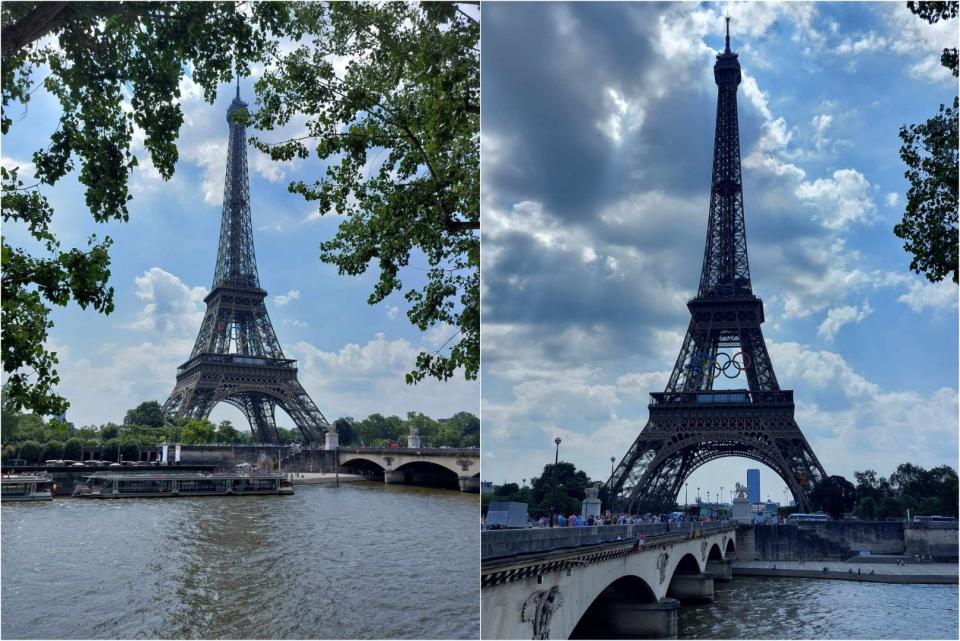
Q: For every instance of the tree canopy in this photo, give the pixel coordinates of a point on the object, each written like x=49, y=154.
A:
x=391, y=94
x=113, y=67
x=929, y=224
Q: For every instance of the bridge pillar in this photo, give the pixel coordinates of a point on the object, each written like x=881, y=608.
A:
x=394, y=477
x=691, y=588
x=644, y=620
x=721, y=570
x=469, y=483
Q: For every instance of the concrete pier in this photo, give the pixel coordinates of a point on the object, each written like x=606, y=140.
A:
x=721, y=570
x=644, y=621
x=393, y=476
x=691, y=588
x=469, y=483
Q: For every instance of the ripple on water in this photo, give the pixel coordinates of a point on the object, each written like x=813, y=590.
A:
x=786, y=608
x=359, y=561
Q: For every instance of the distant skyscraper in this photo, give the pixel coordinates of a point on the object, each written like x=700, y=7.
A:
x=753, y=485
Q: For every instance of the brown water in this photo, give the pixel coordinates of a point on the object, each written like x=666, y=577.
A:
x=361, y=561
x=785, y=608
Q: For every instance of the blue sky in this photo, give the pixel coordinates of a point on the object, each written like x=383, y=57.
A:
x=597, y=134
x=352, y=356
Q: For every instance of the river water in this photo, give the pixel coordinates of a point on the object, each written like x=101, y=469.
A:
x=786, y=608
x=363, y=561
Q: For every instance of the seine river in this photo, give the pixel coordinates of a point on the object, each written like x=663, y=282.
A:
x=782, y=608
x=365, y=561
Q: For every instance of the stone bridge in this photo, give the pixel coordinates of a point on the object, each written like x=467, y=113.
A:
x=417, y=466
x=601, y=582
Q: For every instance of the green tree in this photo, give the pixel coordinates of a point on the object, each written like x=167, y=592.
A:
x=867, y=508
x=507, y=489
x=198, y=432
x=345, y=430
x=52, y=450
x=834, y=495
x=9, y=452
x=147, y=413
x=73, y=449
x=929, y=225
x=401, y=125
x=227, y=433
x=890, y=507
x=110, y=450
x=109, y=431
x=94, y=54
x=30, y=451
x=129, y=451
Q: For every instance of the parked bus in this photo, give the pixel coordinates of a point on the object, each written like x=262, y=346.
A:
x=933, y=519
x=799, y=517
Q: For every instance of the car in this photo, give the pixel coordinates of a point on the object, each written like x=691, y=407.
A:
x=50, y=462
x=77, y=465
x=115, y=465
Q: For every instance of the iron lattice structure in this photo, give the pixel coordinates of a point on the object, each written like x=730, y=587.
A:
x=691, y=423
x=237, y=358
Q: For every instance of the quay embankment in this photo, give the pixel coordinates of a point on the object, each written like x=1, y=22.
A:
x=924, y=573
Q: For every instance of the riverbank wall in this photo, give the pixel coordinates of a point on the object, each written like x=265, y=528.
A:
x=839, y=540
x=925, y=573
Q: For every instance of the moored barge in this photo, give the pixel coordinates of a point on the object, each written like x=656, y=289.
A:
x=26, y=487
x=113, y=485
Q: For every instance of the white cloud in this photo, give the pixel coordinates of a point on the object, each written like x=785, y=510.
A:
x=282, y=300
x=392, y=312
x=922, y=295
x=865, y=43
x=840, y=316
x=892, y=199
x=171, y=306
x=295, y=322
x=839, y=201
x=821, y=123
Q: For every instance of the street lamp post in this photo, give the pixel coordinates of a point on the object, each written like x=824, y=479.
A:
x=698, y=496
x=556, y=462
x=721, y=494
x=686, y=499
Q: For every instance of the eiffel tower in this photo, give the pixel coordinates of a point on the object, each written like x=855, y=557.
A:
x=690, y=423
x=236, y=357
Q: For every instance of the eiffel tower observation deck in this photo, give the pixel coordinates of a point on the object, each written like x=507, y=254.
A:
x=237, y=358
x=690, y=422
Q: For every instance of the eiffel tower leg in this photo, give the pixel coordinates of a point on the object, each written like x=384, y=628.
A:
x=301, y=408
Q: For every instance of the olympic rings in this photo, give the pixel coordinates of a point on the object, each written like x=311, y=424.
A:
x=700, y=362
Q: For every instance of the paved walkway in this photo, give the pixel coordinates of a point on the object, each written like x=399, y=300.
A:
x=884, y=572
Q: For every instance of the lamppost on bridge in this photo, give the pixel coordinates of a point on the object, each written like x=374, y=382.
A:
x=721, y=494
x=556, y=462
x=612, y=459
x=686, y=498
x=698, y=496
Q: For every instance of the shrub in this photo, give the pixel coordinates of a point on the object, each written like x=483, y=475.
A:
x=73, y=449
x=52, y=450
x=30, y=451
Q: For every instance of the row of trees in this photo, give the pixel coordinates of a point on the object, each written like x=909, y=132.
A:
x=29, y=437
x=910, y=487
x=571, y=490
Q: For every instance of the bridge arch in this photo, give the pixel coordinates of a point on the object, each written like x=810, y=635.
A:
x=731, y=551
x=715, y=553
x=687, y=565
x=595, y=621
x=363, y=465
x=429, y=473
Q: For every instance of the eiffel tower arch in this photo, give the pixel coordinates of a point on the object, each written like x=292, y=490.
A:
x=690, y=422
x=237, y=358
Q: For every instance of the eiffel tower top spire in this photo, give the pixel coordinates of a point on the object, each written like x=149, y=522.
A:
x=726, y=271
x=236, y=260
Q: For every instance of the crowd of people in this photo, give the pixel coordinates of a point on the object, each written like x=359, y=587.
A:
x=610, y=518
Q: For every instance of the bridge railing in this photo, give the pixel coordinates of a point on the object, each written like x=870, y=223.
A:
x=424, y=451
x=496, y=544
